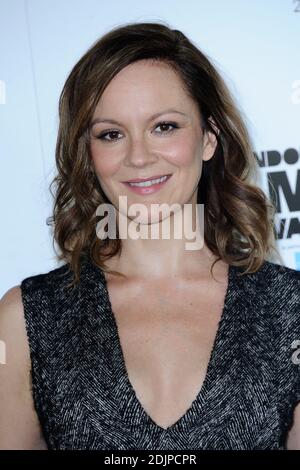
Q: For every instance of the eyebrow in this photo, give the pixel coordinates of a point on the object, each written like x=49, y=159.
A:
x=154, y=116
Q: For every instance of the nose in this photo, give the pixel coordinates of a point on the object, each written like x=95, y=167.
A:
x=139, y=153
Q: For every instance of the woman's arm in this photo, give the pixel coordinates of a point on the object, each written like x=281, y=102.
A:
x=293, y=440
x=19, y=424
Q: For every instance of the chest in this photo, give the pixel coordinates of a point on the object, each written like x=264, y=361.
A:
x=167, y=334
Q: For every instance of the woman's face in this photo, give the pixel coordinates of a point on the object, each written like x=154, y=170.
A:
x=131, y=143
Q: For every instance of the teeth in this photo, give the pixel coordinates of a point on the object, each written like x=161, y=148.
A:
x=149, y=183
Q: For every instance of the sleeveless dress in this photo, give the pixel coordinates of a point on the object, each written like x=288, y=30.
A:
x=84, y=398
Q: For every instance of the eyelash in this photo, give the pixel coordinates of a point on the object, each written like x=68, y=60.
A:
x=163, y=123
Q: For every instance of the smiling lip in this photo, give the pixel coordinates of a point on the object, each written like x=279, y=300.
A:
x=138, y=180
x=144, y=190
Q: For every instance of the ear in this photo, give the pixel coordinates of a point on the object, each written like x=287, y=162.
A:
x=210, y=141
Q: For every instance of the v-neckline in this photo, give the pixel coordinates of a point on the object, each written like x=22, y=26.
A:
x=134, y=412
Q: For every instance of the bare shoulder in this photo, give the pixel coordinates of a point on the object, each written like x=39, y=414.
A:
x=12, y=328
x=11, y=307
x=293, y=439
x=12, y=296
x=19, y=424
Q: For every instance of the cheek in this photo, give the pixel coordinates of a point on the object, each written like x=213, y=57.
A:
x=104, y=166
x=184, y=153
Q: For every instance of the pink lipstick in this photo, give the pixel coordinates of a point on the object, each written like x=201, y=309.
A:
x=149, y=185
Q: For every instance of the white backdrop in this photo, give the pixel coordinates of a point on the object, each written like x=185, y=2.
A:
x=255, y=46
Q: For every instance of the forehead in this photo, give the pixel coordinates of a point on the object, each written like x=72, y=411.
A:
x=145, y=84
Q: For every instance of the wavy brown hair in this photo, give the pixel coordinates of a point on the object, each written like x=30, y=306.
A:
x=238, y=217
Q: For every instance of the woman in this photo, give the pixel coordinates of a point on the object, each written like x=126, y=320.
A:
x=134, y=342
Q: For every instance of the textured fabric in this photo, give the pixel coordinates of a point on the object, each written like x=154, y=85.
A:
x=82, y=393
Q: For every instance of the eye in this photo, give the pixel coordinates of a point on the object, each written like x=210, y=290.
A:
x=114, y=132
x=167, y=124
